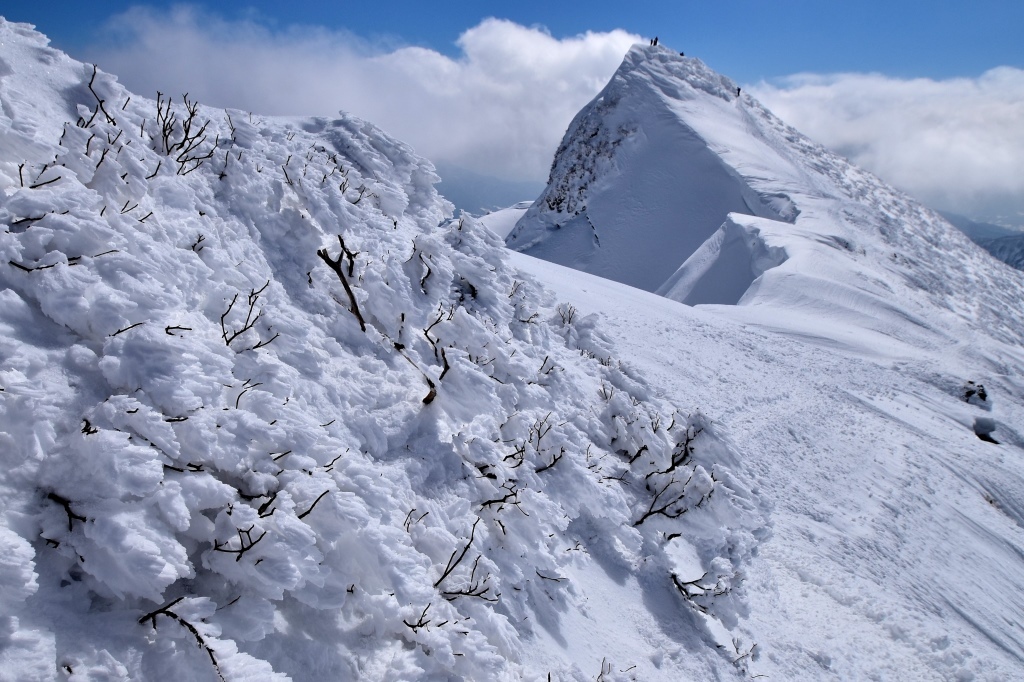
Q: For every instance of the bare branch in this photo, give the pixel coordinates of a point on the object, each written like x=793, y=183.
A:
x=166, y=611
x=335, y=264
x=110, y=119
x=245, y=542
x=457, y=556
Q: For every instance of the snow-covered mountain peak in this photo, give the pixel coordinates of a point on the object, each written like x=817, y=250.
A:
x=648, y=173
x=635, y=189
x=679, y=77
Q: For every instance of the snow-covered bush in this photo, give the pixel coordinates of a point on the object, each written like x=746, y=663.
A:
x=267, y=407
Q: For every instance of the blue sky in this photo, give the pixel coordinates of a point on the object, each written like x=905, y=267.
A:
x=929, y=95
x=748, y=40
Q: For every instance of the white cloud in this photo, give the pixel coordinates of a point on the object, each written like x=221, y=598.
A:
x=955, y=144
x=500, y=107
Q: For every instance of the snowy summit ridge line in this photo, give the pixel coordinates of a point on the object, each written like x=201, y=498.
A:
x=673, y=181
x=268, y=412
x=633, y=188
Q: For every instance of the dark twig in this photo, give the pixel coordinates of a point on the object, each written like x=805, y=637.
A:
x=422, y=622
x=131, y=326
x=110, y=119
x=64, y=502
x=245, y=542
x=315, y=502
x=44, y=184
x=335, y=264
x=250, y=320
x=457, y=555
x=166, y=611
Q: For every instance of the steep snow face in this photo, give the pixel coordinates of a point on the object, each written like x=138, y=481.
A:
x=266, y=411
x=502, y=221
x=845, y=245
x=722, y=269
x=633, y=189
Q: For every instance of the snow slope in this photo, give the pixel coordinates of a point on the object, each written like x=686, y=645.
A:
x=839, y=342
x=897, y=550
x=502, y=221
x=266, y=411
x=805, y=230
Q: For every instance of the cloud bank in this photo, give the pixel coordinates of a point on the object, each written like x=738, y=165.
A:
x=500, y=107
x=501, y=104
x=956, y=144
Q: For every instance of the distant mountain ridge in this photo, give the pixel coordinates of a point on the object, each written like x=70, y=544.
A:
x=1009, y=249
x=977, y=230
x=1004, y=243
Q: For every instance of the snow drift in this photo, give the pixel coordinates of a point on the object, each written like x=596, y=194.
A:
x=267, y=411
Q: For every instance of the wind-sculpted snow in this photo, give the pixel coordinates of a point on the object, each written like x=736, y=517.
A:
x=723, y=269
x=649, y=171
x=267, y=411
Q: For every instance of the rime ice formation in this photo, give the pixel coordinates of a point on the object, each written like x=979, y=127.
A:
x=267, y=412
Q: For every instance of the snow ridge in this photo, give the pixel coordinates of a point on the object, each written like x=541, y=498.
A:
x=268, y=412
x=865, y=324
x=633, y=189
x=698, y=150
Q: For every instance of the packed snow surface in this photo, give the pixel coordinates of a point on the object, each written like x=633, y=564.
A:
x=897, y=550
x=863, y=354
x=267, y=412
